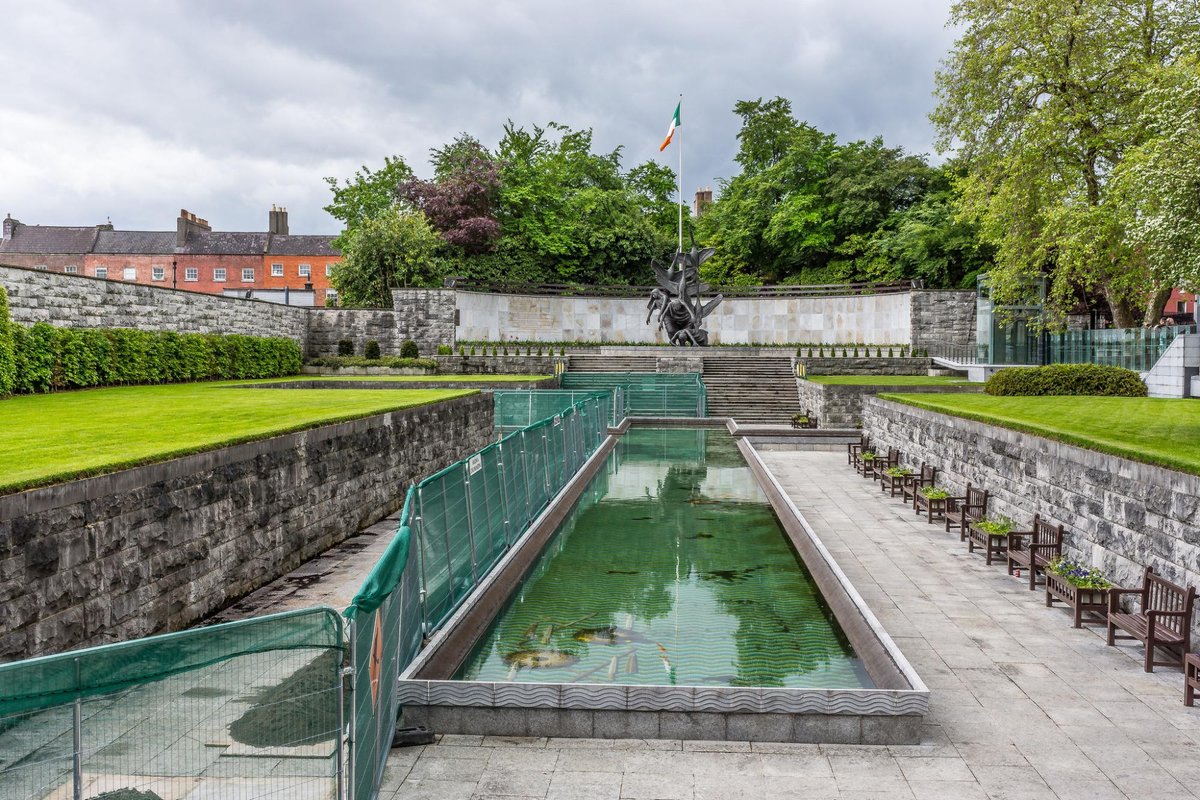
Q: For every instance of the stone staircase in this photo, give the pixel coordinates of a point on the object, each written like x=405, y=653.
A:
x=758, y=390
x=594, y=362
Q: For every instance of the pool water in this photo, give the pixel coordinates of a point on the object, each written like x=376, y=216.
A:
x=672, y=569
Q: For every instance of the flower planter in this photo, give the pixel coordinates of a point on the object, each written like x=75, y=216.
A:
x=935, y=506
x=1092, y=602
x=995, y=545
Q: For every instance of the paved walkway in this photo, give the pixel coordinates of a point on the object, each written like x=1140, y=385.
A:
x=1023, y=705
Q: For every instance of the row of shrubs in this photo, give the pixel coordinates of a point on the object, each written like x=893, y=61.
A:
x=371, y=351
x=392, y=362
x=43, y=358
x=1067, y=379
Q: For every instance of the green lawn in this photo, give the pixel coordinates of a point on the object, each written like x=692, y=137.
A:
x=1156, y=431
x=886, y=380
x=54, y=437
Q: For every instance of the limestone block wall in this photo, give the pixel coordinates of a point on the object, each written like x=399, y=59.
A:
x=865, y=366
x=76, y=301
x=1121, y=515
x=877, y=319
x=838, y=406
x=156, y=548
x=942, y=316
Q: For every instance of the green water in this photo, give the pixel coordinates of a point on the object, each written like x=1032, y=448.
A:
x=672, y=569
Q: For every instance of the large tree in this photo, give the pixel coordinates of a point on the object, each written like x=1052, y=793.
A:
x=390, y=248
x=369, y=193
x=1041, y=99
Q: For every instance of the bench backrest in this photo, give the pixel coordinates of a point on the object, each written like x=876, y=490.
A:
x=928, y=475
x=1047, y=532
x=1159, y=594
x=977, y=500
x=893, y=457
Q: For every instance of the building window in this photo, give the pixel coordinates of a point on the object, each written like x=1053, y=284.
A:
x=248, y=273
x=276, y=271
x=330, y=297
x=70, y=269
x=129, y=274
x=158, y=273
x=219, y=274
x=305, y=270
x=191, y=274
x=101, y=272
x=328, y=270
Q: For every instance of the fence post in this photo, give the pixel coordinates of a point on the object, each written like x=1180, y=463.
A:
x=470, y=525
x=77, y=737
x=341, y=723
x=351, y=737
x=504, y=496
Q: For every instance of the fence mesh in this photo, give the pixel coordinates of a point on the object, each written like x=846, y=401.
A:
x=454, y=527
x=242, y=710
x=648, y=394
x=520, y=408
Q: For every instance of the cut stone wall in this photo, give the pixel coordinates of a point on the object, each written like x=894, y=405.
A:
x=76, y=301
x=156, y=548
x=865, y=366
x=942, y=317
x=1121, y=515
x=840, y=406
x=498, y=365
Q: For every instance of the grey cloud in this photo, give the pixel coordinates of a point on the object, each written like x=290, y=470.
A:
x=134, y=109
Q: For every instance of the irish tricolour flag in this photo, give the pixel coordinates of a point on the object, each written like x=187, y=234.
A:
x=675, y=123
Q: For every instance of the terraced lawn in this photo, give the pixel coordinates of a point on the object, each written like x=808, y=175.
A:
x=1156, y=431
x=55, y=437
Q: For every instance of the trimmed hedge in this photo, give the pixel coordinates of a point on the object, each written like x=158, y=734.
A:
x=392, y=362
x=8, y=358
x=50, y=359
x=1066, y=379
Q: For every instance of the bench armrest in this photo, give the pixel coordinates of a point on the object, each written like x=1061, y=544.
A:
x=1157, y=613
x=1114, y=598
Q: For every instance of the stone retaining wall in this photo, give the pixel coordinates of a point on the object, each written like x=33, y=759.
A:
x=1121, y=515
x=156, y=548
x=942, y=317
x=865, y=366
x=77, y=301
x=840, y=406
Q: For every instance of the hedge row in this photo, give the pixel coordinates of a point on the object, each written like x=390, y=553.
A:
x=8, y=358
x=1067, y=379
x=46, y=358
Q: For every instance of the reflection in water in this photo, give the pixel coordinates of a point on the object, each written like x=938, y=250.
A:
x=672, y=569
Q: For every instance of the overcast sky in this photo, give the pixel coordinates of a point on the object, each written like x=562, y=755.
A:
x=132, y=110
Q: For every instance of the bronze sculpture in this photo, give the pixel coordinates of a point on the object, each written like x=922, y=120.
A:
x=677, y=298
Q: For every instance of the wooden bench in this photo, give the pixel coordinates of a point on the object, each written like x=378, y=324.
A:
x=1033, y=549
x=853, y=449
x=912, y=487
x=1163, y=619
x=1191, y=678
x=805, y=420
x=962, y=511
x=892, y=459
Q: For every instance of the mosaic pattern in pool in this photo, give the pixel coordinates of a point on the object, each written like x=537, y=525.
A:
x=672, y=569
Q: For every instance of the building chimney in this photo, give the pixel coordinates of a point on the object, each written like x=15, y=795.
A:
x=187, y=223
x=10, y=226
x=703, y=200
x=277, y=221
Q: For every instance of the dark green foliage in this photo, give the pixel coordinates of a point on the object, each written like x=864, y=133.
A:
x=371, y=350
x=442, y=350
x=8, y=363
x=345, y=347
x=408, y=349
x=1067, y=379
x=49, y=358
x=391, y=362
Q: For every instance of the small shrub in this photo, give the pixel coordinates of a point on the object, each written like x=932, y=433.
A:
x=539, y=351
x=8, y=356
x=345, y=347
x=879, y=352
x=505, y=349
x=371, y=350
x=890, y=352
x=462, y=351
x=408, y=349
x=562, y=351
x=1066, y=379
x=472, y=349
x=442, y=350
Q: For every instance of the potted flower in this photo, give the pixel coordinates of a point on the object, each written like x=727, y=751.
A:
x=799, y=420
x=991, y=534
x=934, y=493
x=899, y=472
x=1084, y=589
x=931, y=500
x=894, y=479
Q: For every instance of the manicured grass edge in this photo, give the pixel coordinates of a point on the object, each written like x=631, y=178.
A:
x=167, y=455
x=917, y=401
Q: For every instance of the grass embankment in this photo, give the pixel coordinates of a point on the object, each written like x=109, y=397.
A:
x=1151, y=430
x=888, y=380
x=48, y=438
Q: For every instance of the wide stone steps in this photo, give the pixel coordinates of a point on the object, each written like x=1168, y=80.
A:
x=598, y=363
x=751, y=389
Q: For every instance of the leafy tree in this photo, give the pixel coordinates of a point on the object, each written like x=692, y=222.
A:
x=368, y=194
x=1041, y=99
x=460, y=202
x=392, y=248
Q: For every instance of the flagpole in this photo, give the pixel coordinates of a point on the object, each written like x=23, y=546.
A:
x=681, y=173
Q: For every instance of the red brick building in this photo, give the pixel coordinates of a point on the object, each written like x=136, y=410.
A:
x=274, y=265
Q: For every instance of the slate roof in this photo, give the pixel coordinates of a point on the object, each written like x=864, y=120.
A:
x=135, y=243
x=230, y=243
x=298, y=245
x=50, y=239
